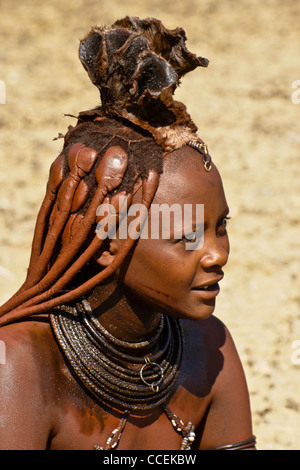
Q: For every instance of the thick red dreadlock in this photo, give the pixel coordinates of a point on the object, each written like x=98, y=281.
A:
x=137, y=65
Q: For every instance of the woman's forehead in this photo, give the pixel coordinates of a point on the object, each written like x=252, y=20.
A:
x=184, y=178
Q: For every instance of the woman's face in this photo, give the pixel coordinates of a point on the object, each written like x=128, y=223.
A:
x=165, y=273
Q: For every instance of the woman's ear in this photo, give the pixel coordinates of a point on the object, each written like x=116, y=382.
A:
x=105, y=258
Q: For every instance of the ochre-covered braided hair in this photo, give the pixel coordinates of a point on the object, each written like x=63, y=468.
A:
x=136, y=64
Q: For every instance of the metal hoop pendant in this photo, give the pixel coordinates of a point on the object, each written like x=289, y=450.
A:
x=207, y=159
x=207, y=165
x=202, y=148
x=154, y=385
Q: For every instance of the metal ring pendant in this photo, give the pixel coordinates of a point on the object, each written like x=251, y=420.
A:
x=207, y=165
x=154, y=385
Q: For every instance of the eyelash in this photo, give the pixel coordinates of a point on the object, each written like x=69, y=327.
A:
x=223, y=221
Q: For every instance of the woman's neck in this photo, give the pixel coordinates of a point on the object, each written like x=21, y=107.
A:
x=123, y=316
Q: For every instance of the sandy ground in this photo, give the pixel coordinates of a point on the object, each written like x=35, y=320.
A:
x=243, y=107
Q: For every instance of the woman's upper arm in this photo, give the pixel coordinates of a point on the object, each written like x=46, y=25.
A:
x=23, y=409
x=229, y=417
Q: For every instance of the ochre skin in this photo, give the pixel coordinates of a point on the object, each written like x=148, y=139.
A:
x=43, y=407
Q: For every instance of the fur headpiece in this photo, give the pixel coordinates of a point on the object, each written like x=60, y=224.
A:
x=137, y=65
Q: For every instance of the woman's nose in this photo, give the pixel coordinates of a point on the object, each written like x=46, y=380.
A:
x=215, y=252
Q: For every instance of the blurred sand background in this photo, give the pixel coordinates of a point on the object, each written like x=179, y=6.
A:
x=243, y=107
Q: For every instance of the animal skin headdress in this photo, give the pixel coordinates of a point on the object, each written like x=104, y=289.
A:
x=137, y=65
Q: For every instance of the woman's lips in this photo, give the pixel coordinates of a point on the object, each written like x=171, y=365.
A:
x=207, y=291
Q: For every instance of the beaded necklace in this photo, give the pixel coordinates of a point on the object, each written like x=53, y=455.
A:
x=123, y=375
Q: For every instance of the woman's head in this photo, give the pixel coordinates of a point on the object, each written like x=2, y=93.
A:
x=167, y=269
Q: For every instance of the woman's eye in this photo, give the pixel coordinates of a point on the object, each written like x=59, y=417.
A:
x=223, y=222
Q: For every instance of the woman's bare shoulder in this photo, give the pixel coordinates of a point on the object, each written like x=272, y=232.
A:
x=28, y=385
x=217, y=335
x=229, y=417
x=27, y=353
x=26, y=338
x=211, y=333
x=211, y=347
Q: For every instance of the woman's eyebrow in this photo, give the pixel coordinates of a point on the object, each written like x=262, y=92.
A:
x=196, y=225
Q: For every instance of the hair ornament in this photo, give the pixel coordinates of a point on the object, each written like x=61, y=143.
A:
x=203, y=149
x=137, y=65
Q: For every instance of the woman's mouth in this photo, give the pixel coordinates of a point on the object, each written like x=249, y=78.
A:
x=207, y=291
x=211, y=287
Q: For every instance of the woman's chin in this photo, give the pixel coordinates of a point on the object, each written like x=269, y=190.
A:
x=200, y=313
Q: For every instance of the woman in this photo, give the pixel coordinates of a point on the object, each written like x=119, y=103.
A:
x=111, y=342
